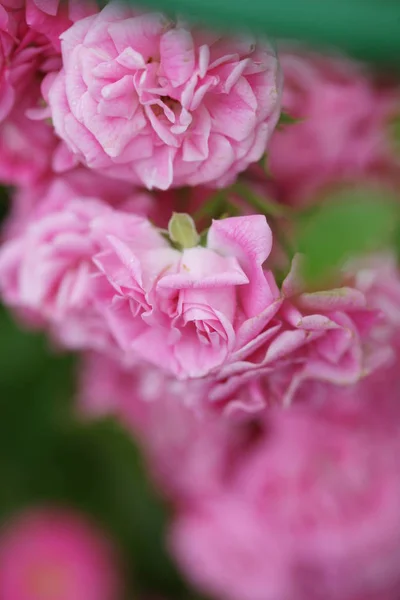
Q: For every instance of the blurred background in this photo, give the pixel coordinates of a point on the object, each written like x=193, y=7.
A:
x=48, y=457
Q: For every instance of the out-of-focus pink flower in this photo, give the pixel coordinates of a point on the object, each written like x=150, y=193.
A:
x=53, y=17
x=343, y=132
x=30, y=49
x=55, y=191
x=310, y=509
x=11, y=15
x=47, y=270
x=162, y=414
x=378, y=277
x=185, y=448
x=191, y=311
x=47, y=273
x=25, y=56
x=337, y=328
x=146, y=99
x=49, y=553
x=19, y=135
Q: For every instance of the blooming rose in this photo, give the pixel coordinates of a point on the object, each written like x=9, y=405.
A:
x=194, y=310
x=342, y=135
x=148, y=100
x=310, y=509
x=103, y=278
x=335, y=335
x=52, y=553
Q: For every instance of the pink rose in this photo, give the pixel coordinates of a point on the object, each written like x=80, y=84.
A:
x=53, y=17
x=53, y=190
x=49, y=553
x=191, y=311
x=11, y=18
x=336, y=325
x=150, y=101
x=309, y=509
x=378, y=277
x=343, y=133
x=25, y=56
x=336, y=336
x=18, y=135
x=46, y=270
x=28, y=51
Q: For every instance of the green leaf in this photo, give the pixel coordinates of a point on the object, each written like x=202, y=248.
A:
x=367, y=29
x=287, y=119
x=182, y=230
x=349, y=223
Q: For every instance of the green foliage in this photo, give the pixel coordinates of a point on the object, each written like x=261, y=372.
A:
x=350, y=222
x=286, y=119
x=260, y=203
x=367, y=29
x=48, y=456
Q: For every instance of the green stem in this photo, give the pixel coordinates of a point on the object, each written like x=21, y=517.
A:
x=212, y=208
x=265, y=206
x=183, y=199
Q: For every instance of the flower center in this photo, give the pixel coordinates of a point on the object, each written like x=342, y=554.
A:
x=168, y=103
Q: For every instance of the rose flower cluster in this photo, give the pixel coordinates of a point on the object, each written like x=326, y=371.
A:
x=149, y=161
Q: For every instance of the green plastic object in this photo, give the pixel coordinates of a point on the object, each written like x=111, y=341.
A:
x=365, y=29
